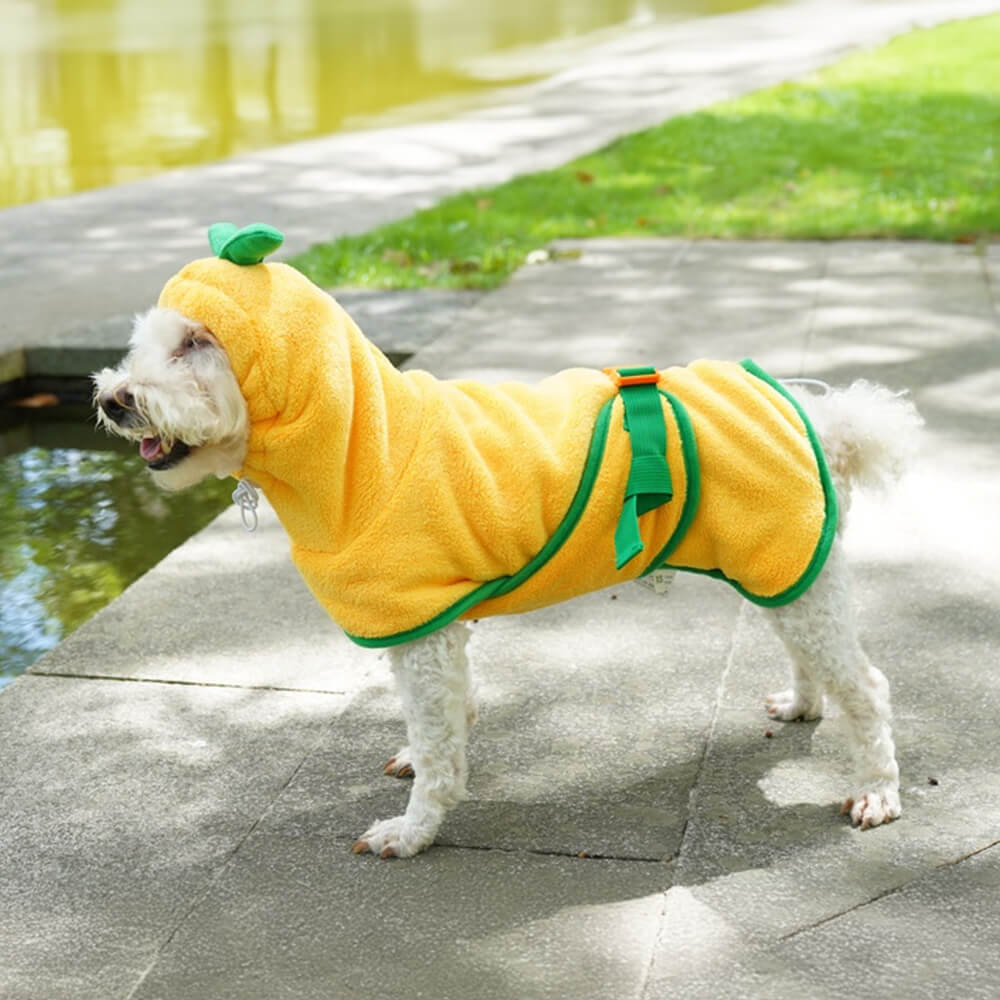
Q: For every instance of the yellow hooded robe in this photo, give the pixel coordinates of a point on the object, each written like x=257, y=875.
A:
x=412, y=501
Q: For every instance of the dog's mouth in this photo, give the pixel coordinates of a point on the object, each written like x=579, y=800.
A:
x=159, y=454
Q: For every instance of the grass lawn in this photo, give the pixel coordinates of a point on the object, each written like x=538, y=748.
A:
x=902, y=141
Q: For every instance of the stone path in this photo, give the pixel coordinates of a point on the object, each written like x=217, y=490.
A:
x=182, y=778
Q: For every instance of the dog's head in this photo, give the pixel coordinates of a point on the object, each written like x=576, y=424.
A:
x=176, y=396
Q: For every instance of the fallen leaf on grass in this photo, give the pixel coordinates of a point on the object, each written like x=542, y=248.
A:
x=398, y=257
x=432, y=271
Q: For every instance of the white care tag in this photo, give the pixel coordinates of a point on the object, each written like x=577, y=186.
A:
x=659, y=581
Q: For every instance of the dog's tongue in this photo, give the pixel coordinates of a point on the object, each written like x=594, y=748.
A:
x=149, y=448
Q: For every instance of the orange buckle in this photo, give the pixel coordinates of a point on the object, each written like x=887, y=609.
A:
x=650, y=378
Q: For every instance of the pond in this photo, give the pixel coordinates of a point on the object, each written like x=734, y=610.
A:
x=98, y=92
x=80, y=519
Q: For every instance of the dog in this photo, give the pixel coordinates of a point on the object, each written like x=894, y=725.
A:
x=194, y=400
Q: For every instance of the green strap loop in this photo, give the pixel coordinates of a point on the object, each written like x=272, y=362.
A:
x=649, y=483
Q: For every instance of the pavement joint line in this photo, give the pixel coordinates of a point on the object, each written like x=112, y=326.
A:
x=966, y=857
x=709, y=733
x=62, y=675
x=950, y=863
x=213, y=879
x=647, y=972
x=666, y=862
x=741, y=615
x=813, y=306
x=850, y=909
x=991, y=288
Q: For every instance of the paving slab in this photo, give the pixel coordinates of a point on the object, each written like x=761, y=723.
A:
x=616, y=301
x=119, y=804
x=766, y=859
x=932, y=936
x=914, y=316
x=904, y=941
x=403, y=321
x=300, y=916
x=595, y=665
x=227, y=608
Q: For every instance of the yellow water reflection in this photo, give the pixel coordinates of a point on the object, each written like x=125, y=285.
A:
x=97, y=92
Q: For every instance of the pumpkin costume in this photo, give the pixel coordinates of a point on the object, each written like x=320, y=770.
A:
x=411, y=501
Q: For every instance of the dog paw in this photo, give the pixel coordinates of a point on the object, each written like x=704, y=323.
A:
x=873, y=808
x=790, y=706
x=394, y=838
x=400, y=766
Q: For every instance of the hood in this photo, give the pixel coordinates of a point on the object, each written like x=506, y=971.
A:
x=321, y=398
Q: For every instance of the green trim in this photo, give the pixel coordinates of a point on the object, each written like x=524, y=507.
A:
x=505, y=584
x=692, y=474
x=829, y=530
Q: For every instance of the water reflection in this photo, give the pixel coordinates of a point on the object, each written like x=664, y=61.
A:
x=97, y=92
x=76, y=528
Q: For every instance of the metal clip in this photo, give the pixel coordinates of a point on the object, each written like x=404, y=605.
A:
x=246, y=497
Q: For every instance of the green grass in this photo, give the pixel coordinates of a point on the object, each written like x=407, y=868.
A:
x=902, y=141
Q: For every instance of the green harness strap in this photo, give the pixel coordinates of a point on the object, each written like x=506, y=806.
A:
x=649, y=484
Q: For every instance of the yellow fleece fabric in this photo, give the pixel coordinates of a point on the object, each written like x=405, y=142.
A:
x=403, y=495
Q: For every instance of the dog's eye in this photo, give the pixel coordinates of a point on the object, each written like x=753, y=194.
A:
x=190, y=343
x=193, y=342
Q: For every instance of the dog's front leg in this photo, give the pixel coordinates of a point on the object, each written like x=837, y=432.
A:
x=432, y=678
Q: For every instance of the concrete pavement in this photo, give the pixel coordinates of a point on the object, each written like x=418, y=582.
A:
x=182, y=778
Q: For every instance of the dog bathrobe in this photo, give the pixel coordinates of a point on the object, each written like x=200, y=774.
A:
x=412, y=501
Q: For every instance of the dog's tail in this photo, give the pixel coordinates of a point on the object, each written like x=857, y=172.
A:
x=870, y=434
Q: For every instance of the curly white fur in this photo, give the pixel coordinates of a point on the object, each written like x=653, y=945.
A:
x=184, y=390
x=870, y=435
x=432, y=675
x=181, y=393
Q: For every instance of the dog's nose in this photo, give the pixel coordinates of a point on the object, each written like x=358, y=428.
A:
x=116, y=404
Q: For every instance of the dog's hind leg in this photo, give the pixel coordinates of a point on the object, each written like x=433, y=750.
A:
x=820, y=632
x=432, y=678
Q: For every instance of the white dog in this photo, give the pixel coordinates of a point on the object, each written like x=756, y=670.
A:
x=176, y=394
